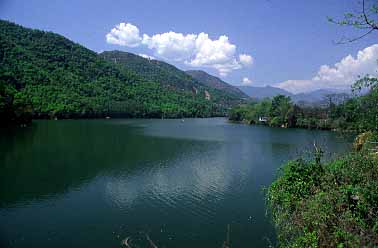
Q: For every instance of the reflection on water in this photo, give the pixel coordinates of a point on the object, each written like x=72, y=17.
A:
x=93, y=183
x=191, y=175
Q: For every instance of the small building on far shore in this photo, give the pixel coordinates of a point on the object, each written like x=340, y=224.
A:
x=263, y=119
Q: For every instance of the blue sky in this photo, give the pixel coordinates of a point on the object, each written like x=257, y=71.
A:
x=287, y=39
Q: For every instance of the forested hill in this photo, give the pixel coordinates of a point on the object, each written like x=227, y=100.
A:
x=43, y=74
x=168, y=75
x=152, y=70
x=215, y=82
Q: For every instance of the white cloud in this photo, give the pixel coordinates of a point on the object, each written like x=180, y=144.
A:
x=340, y=76
x=124, y=34
x=225, y=68
x=297, y=86
x=218, y=54
x=146, y=56
x=171, y=45
x=245, y=59
x=210, y=52
x=246, y=81
x=196, y=50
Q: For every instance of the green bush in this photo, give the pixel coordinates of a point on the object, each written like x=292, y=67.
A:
x=276, y=122
x=327, y=205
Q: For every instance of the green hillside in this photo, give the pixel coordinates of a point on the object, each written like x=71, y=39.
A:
x=152, y=70
x=169, y=76
x=217, y=83
x=45, y=75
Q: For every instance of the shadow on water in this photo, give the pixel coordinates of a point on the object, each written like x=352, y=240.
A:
x=51, y=158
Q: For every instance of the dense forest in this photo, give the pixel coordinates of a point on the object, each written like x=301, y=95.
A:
x=152, y=70
x=171, y=77
x=44, y=75
x=356, y=113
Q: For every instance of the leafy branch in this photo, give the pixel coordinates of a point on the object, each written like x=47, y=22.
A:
x=365, y=20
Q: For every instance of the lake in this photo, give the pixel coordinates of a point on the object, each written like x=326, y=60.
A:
x=93, y=183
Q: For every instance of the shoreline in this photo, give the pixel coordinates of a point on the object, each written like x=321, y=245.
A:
x=298, y=127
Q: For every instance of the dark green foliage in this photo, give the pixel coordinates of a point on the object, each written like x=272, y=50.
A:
x=237, y=113
x=15, y=107
x=47, y=75
x=327, y=205
x=279, y=110
x=251, y=112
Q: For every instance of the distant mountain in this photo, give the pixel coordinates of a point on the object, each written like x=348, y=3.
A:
x=313, y=97
x=216, y=83
x=263, y=92
x=169, y=76
x=316, y=96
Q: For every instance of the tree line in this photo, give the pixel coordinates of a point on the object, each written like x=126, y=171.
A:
x=357, y=112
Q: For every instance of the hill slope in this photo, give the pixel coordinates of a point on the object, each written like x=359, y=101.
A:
x=216, y=82
x=169, y=76
x=152, y=70
x=47, y=75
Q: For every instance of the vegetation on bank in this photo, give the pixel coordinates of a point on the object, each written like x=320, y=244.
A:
x=331, y=204
x=14, y=107
x=357, y=113
x=44, y=75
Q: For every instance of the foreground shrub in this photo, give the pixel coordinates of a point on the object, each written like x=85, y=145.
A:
x=327, y=205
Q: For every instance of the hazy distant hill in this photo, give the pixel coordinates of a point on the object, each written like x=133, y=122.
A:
x=312, y=97
x=216, y=82
x=315, y=96
x=263, y=92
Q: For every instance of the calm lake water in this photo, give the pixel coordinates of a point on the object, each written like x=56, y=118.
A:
x=92, y=183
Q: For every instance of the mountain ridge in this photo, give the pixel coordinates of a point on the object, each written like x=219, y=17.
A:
x=170, y=76
x=311, y=97
x=263, y=92
x=215, y=82
x=47, y=75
